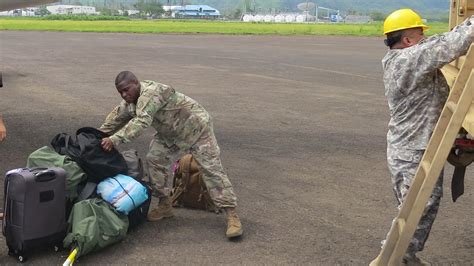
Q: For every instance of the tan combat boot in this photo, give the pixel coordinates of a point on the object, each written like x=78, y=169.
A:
x=163, y=210
x=234, y=227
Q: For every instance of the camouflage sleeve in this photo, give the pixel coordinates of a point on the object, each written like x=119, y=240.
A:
x=439, y=50
x=116, y=119
x=147, y=106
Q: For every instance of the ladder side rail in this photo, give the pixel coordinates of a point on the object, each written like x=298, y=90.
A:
x=453, y=19
x=453, y=14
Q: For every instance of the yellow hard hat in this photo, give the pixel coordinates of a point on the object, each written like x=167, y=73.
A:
x=402, y=19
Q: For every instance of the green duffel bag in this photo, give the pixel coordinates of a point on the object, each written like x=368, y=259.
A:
x=47, y=157
x=93, y=225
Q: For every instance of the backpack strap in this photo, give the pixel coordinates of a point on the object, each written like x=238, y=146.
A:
x=87, y=191
x=186, y=174
x=179, y=187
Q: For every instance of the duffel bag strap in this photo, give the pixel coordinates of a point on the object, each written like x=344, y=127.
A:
x=87, y=191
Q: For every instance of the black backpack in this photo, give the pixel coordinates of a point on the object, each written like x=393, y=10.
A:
x=85, y=149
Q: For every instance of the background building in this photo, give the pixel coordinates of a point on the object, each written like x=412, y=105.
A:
x=72, y=10
x=192, y=11
x=25, y=12
x=357, y=19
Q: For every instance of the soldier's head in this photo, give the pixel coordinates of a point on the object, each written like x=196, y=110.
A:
x=403, y=28
x=128, y=86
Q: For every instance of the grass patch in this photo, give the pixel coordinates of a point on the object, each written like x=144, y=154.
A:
x=199, y=26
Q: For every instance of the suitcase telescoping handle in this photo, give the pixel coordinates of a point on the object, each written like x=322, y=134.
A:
x=45, y=176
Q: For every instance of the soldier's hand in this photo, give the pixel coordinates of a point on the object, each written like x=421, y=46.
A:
x=107, y=144
x=3, y=131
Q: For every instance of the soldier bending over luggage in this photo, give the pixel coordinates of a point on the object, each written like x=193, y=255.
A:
x=182, y=126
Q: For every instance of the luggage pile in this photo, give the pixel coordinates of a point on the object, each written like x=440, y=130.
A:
x=74, y=196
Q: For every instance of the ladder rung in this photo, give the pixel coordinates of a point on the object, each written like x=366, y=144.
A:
x=452, y=69
x=401, y=225
x=425, y=166
x=451, y=106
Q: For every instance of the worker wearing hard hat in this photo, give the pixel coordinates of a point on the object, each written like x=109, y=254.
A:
x=416, y=91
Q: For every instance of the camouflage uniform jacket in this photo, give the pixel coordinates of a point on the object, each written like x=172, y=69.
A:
x=177, y=119
x=416, y=89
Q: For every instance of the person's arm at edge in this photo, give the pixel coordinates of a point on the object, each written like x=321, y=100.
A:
x=3, y=129
x=439, y=50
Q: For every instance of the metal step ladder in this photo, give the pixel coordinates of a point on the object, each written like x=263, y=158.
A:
x=450, y=121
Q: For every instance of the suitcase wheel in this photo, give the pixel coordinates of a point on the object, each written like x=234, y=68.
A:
x=20, y=257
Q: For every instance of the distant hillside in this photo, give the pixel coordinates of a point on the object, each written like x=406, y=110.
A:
x=427, y=8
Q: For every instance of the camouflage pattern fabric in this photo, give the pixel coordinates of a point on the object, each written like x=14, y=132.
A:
x=182, y=125
x=416, y=91
x=403, y=166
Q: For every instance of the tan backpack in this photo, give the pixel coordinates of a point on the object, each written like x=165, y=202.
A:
x=189, y=190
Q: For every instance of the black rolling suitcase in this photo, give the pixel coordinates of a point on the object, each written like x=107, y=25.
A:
x=34, y=209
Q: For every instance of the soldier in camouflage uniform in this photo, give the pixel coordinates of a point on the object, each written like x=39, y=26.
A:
x=182, y=126
x=416, y=91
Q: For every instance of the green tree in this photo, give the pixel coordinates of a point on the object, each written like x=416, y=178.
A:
x=237, y=13
x=377, y=16
x=232, y=14
x=352, y=12
x=43, y=11
x=140, y=6
x=106, y=11
x=154, y=8
x=151, y=8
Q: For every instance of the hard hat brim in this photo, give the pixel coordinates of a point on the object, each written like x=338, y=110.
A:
x=405, y=28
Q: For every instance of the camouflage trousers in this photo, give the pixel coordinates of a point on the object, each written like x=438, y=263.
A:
x=206, y=152
x=403, y=166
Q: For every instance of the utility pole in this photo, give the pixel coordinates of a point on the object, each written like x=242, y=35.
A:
x=316, y=14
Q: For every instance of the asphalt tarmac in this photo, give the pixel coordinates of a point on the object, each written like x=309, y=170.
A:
x=301, y=122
